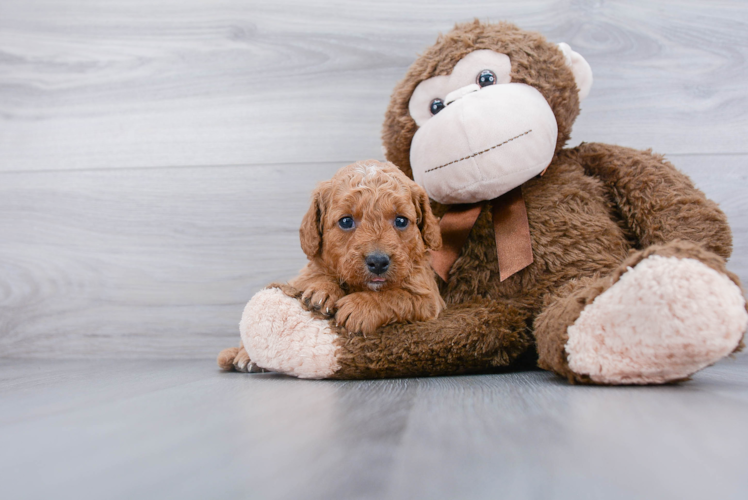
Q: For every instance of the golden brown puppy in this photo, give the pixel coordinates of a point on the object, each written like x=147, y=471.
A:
x=366, y=235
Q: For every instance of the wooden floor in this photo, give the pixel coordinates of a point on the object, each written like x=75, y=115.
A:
x=156, y=158
x=182, y=429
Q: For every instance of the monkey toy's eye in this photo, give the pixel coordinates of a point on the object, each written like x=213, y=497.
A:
x=486, y=78
x=401, y=222
x=346, y=223
x=436, y=106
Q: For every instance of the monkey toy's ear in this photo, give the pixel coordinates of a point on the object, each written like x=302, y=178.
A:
x=581, y=69
x=427, y=223
x=310, y=232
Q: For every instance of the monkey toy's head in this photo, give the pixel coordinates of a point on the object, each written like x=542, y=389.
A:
x=483, y=110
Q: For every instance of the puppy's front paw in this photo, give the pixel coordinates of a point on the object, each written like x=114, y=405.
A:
x=360, y=312
x=322, y=297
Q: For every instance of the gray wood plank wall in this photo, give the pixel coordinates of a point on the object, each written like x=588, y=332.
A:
x=156, y=157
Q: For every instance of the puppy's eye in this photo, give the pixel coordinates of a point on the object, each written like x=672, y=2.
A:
x=486, y=78
x=346, y=223
x=401, y=222
x=436, y=106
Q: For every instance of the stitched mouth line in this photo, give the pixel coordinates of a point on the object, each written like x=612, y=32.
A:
x=479, y=152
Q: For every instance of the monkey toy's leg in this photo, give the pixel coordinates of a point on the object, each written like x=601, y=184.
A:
x=283, y=335
x=664, y=314
x=671, y=308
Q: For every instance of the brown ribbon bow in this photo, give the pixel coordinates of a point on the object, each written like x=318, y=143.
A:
x=511, y=228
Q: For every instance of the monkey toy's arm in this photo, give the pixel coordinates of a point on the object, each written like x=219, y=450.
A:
x=476, y=336
x=658, y=203
x=281, y=334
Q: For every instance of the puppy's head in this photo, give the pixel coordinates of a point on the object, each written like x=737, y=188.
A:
x=369, y=225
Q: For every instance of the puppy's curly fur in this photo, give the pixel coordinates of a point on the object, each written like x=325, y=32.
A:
x=338, y=280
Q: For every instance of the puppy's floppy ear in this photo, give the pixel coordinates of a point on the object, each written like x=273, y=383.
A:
x=427, y=223
x=310, y=232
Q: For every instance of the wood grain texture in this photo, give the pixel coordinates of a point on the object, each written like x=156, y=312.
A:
x=181, y=429
x=200, y=82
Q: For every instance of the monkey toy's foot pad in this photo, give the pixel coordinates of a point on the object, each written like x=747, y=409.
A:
x=280, y=336
x=662, y=321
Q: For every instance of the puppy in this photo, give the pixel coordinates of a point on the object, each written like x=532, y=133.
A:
x=366, y=235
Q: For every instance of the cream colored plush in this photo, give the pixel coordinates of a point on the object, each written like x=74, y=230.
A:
x=663, y=320
x=468, y=156
x=581, y=69
x=288, y=341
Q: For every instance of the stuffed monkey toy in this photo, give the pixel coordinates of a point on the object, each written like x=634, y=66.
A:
x=601, y=263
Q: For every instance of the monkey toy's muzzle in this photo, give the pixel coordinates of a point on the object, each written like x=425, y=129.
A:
x=484, y=144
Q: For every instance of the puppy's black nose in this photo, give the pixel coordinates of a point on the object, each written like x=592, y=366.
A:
x=377, y=262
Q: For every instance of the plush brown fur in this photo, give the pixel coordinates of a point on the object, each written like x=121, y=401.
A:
x=336, y=281
x=597, y=209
